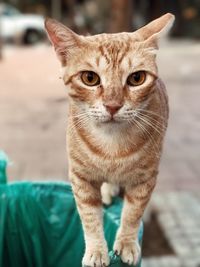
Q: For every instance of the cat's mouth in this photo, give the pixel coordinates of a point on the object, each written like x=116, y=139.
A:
x=112, y=120
x=108, y=120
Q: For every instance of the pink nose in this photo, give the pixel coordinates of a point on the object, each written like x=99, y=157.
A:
x=112, y=108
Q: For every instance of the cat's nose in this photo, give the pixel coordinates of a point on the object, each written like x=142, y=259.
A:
x=112, y=108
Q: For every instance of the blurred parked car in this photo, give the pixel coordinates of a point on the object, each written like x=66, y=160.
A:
x=18, y=27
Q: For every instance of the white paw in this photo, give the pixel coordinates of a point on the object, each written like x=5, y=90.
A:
x=96, y=258
x=108, y=191
x=128, y=251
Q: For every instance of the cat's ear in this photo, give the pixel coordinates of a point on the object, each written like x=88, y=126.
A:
x=152, y=32
x=63, y=39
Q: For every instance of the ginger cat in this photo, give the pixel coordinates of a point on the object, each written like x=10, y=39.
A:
x=118, y=112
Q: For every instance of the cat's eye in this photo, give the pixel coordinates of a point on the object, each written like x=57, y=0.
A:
x=90, y=78
x=136, y=78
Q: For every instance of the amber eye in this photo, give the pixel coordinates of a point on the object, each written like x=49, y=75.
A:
x=90, y=78
x=136, y=78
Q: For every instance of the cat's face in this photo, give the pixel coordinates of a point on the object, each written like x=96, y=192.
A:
x=110, y=77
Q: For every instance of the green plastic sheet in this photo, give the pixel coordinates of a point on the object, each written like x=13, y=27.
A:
x=3, y=165
x=40, y=226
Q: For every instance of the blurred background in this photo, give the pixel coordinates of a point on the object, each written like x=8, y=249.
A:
x=33, y=105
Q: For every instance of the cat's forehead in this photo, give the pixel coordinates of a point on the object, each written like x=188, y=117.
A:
x=112, y=49
x=115, y=40
x=111, y=55
x=121, y=51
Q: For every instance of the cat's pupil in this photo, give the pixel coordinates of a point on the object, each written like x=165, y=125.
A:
x=136, y=76
x=90, y=76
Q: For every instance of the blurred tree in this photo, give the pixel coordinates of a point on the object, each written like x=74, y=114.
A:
x=1, y=44
x=121, y=15
x=69, y=18
x=56, y=9
x=0, y=49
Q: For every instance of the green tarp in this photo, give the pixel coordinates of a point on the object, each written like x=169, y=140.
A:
x=40, y=226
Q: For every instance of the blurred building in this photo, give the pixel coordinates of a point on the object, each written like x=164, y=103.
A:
x=102, y=15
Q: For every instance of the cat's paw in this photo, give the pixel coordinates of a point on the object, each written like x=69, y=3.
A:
x=129, y=251
x=96, y=258
x=108, y=191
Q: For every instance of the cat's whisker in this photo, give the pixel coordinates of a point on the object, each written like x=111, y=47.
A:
x=149, y=136
x=151, y=119
x=147, y=123
x=78, y=117
x=140, y=130
x=151, y=139
x=156, y=124
x=80, y=114
x=81, y=121
x=144, y=136
x=151, y=116
x=150, y=112
x=156, y=128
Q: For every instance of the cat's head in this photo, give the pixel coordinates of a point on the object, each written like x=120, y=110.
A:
x=109, y=76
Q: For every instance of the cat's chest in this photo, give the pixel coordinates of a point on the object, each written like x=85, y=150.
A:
x=123, y=170
x=98, y=163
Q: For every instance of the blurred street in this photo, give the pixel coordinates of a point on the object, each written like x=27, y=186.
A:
x=33, y=114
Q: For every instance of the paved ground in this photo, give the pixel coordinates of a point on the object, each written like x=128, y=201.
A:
x=33, y=107
x=179, y=66
x=33, y=119
x=178, y=215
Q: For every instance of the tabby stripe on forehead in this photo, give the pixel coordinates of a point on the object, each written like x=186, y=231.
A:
x=124, y=54
x=129, y=63
x=97, y=61
x=116, y=60
x=104, y=54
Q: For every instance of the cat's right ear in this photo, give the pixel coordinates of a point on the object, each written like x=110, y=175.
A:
x=62, y=38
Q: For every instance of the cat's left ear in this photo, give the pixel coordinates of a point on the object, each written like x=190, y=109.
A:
x=152, y=32
x=64, y=40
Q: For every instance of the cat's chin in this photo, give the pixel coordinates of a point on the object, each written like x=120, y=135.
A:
x=112, y=121
x=111, y=124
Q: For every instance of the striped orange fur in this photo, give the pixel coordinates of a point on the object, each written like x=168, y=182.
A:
x=118, y=112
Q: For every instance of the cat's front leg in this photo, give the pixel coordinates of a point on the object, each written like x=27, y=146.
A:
x=88, y=199
x=135, y=200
